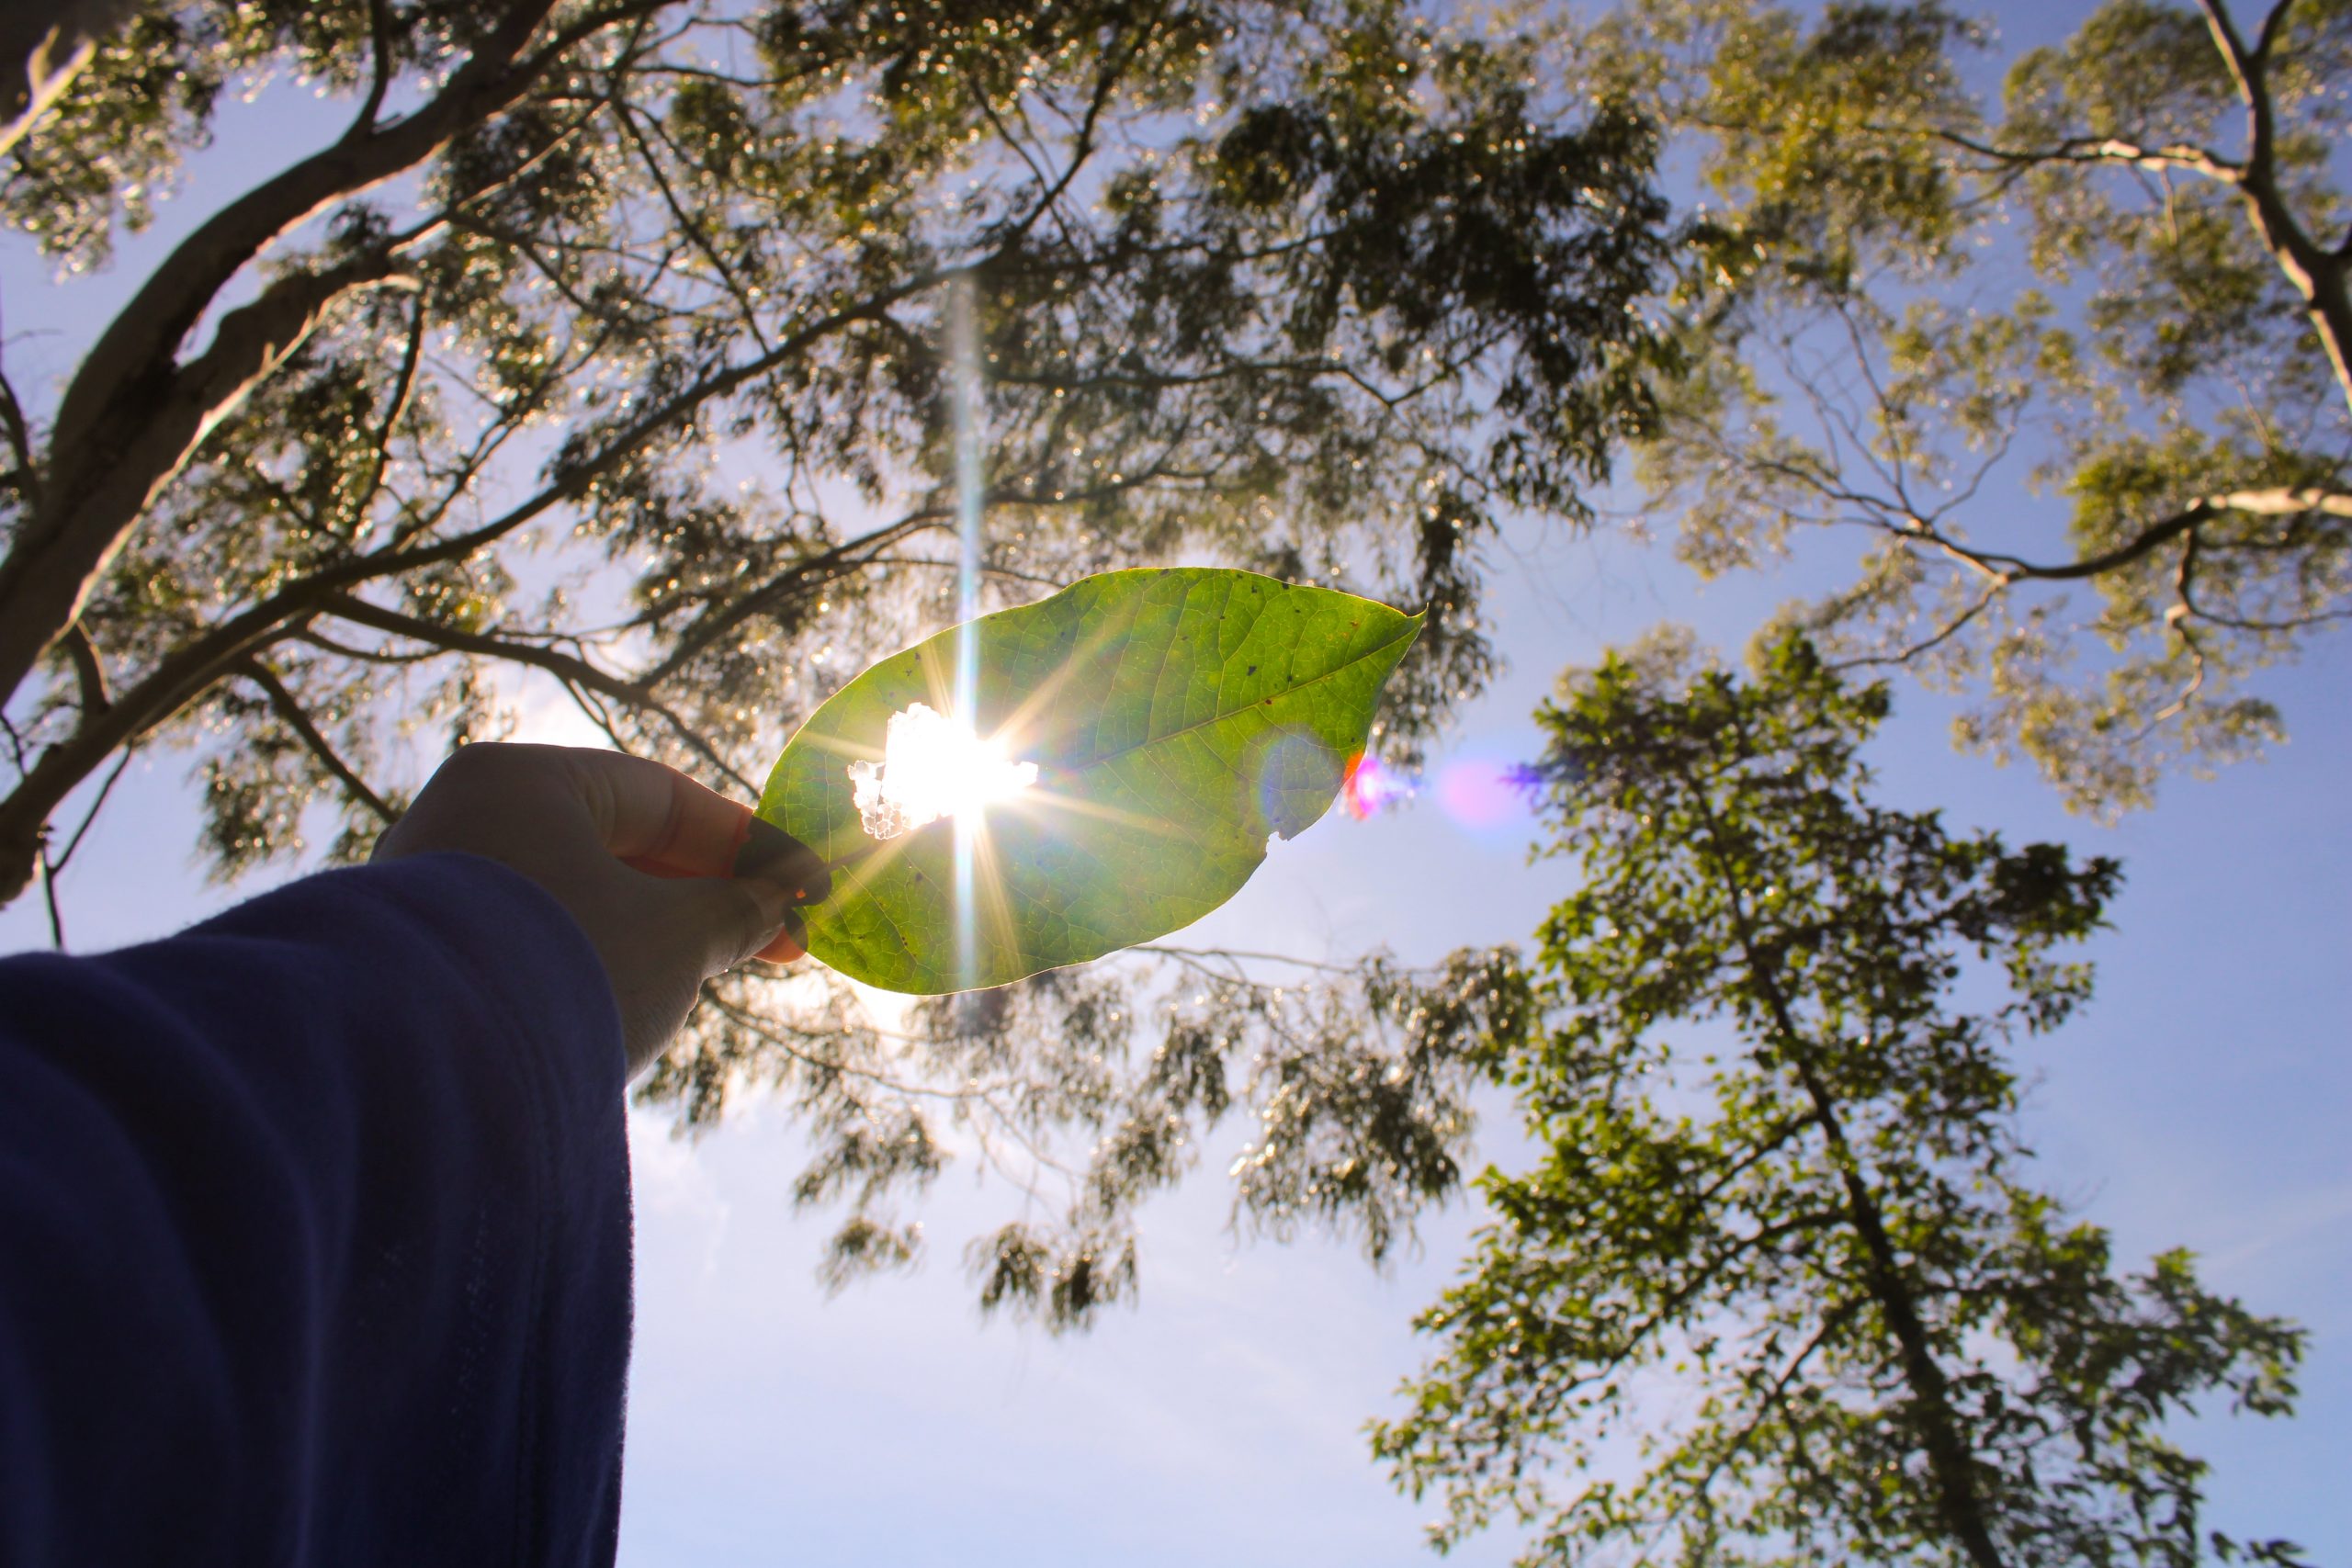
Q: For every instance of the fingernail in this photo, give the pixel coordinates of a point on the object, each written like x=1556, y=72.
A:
x=771, y=854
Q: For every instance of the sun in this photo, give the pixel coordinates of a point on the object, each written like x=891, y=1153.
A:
x=934, y=766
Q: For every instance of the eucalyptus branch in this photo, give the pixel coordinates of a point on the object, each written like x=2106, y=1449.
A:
x=1949, y=629
x=18, y=434
x=289, y=713
x=2271, y=24
x=690, y=226
x=193, y=666
x=395, y=409
x=803, y=577
x=2006, y=569
x=365, y=655
x=115, y=441
x=1947, y=1455
x=2111, y=149
x=2177, y=619
x=761, y=1026
x=1233, y=953
x=64, y=857
x=89, y=675
x=564, y=666
x=380, y=37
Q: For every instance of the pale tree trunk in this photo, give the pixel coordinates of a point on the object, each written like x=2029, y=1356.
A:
x=2316, y=274
x=43, y=46
x=134, y=414
x=2316, y=271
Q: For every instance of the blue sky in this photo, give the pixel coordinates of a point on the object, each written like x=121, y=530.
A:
x=2201, y=1101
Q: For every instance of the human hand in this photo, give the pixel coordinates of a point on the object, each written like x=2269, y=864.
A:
x=672, y=883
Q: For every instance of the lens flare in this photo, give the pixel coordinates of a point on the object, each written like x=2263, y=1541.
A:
x=933, y=767
x=1372, y=785
x=971, y=495
x=1478, y=793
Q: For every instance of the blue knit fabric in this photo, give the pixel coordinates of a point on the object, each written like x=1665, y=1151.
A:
x=314, y=1235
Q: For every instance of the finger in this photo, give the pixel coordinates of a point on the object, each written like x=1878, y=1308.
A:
x=647, y=813
x=789, y=944
x=771, y=853
x=725, y=922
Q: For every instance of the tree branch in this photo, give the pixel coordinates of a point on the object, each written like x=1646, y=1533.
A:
x=1944, y=633
x=2279, y=501
x=2111, y=149
x=19, y=436
x=42, y=49
x=380, y=37
x=1949, y=1457
x=563, y=666
x=289, y=712
x=395, y=410
x=131, y=417
x=2318, y=275
x=88, y=673
x=95, y=493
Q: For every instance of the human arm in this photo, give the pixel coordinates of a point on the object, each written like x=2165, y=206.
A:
x=315, y=1219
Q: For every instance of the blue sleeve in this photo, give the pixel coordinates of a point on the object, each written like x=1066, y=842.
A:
x=314, y=1235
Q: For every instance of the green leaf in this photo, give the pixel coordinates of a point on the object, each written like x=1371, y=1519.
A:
x=1177, y=718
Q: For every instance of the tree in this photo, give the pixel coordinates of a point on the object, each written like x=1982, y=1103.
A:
x=2123, y=287
x=43, y=46
x=1316, y=286
x=1358, y=1078
x=1897, y=1350
x=608, y=346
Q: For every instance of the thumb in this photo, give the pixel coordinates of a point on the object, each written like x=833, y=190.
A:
x=725, y=920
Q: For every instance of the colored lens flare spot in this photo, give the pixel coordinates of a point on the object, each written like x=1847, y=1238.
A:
x=1477, y=793
x=1372, y=785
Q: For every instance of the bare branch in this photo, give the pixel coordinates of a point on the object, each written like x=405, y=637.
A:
x=2271, y=25
x=379, y=37
x=18, y=432
x=1950, y=629
x=563, y=666
x=289, y=712
x=88, y=673
x=395, y=410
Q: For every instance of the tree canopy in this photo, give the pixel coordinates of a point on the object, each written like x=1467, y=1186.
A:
x=606, y=342
x=607, y=346
x=2112, y=292
x=1891, y=1348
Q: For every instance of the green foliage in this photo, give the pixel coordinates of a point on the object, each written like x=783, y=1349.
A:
x=600, y=359
x=1090, y=1089
x=636, y=377
x=1177, y=716
x=1814, y=1250
x=2089, y=335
